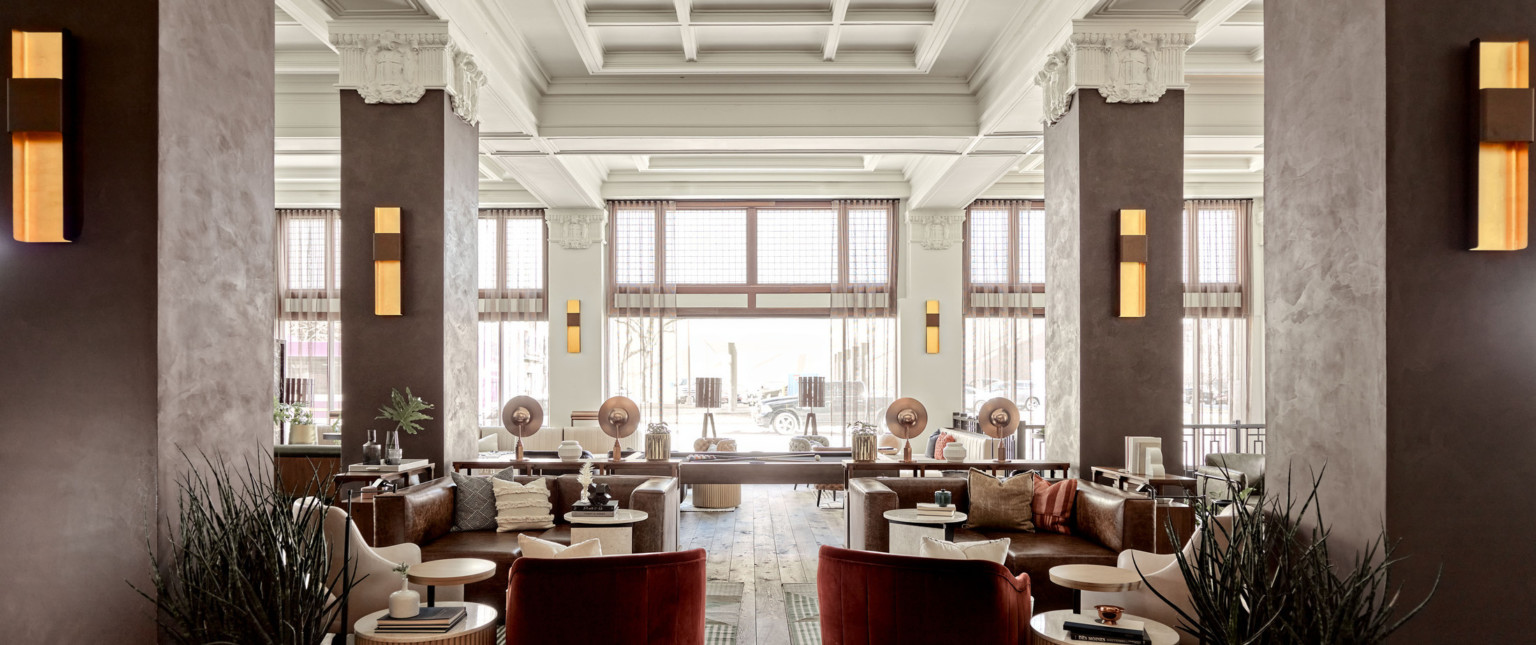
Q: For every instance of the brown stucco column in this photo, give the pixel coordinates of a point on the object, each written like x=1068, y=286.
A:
x=420, y=156
x=1396, y=356
x=1117, y=142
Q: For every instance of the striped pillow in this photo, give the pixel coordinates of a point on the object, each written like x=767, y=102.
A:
x=1053, y=504
x=522, y=506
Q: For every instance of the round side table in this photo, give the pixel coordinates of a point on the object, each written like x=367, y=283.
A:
x=908, y=529
x=477, y=628
x=1093, y=577
x=1047, y=628
x=453, y=571
x=615, y=533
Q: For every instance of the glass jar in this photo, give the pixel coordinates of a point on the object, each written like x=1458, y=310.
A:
x=658, y=442
x=372, y=452
x=865, y=442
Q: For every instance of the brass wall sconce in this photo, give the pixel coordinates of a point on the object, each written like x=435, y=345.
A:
x=386, y=261
x=931, y=323
x=573, y=326
x=1506, y=126
x=35, y=104
x=1133, y=263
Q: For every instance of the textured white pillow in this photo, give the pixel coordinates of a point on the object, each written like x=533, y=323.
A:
x=536, y=548
x=520, y=507
x=994, y=550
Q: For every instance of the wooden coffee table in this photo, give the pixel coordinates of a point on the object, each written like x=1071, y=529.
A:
x=453, y=571
x=1047, y=628
x=615, y=534
x=477, y=628
x=1093, y=577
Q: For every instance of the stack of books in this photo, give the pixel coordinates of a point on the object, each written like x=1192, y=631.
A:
x=431, y=620
x=592, y=510
x=1081, y=627
x=929, y=510
x=388, y=468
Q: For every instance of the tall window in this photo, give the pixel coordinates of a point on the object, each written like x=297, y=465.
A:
x=750, y=292
x=1005, y=310
x=309, y=310
x=514, y=310
x=1216, y=331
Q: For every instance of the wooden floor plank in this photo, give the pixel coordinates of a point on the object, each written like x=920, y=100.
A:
x=771, y=625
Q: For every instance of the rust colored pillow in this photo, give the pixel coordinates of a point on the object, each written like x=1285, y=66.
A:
x=1000, y=503
x=1053, y=504
x=945, y=439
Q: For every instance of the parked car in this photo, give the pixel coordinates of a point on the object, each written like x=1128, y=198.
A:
x=785, y=416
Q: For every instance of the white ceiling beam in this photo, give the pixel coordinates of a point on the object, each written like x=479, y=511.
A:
x=950, y=183
x=1215, y=13
x=307, y=62
x=1222, y=63
x=685, y=30
x=762, y=62
x=835, y=30
x=1006, y=76
x=946, y=17
x=312, y=15
x=618, y=18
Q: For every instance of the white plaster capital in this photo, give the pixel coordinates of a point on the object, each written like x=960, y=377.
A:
x=1125, y=62
x=397, y=61
x=576, y=228
x=935, y=229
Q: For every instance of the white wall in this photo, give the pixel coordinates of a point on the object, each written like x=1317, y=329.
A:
x=935, y=380
x=576, y=380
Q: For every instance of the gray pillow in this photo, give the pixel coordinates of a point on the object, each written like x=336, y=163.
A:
x=474, y=505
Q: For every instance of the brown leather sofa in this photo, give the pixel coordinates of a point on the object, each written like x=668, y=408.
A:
x=1106, y=521
x=423, y=515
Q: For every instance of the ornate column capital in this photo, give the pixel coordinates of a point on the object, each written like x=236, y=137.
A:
x=935, y=229
x=576, y=228
x=394, y=61
x=1125, y=62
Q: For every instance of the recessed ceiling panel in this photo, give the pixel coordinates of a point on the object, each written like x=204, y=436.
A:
x=1130, y=8
x=713, y=38
x=376, y=8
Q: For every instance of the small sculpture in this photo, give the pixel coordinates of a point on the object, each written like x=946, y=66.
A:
x=585, y=479
x=598, y=495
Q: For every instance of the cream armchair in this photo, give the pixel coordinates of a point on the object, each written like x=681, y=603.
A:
x=373, y=567
x=1160, y=572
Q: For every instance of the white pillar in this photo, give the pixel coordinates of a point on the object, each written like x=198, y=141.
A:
x=578, y=262
x=930, y=264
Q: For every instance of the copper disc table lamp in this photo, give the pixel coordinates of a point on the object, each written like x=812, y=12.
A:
x=999, y=419
x=618, y=417
x=906, y=418
x=522, y=417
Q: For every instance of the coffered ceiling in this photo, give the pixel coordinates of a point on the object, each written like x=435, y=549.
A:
x=932, y=101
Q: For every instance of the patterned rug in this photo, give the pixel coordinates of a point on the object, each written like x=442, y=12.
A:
x=801, y=611
x=722, y=612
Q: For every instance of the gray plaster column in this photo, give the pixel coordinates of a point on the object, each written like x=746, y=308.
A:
x=422, y=158
x=1111, y=377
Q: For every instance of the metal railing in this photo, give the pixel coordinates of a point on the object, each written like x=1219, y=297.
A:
x=1202, y=439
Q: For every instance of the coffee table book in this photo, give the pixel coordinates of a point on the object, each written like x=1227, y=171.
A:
x=431, y=620
x=387, y=468
x=1082, y=627
x=588, y=510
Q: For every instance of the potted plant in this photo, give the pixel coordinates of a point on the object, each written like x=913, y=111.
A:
x=301, y=429
x=245, y=562
x=1269, y=578
x=405, y=410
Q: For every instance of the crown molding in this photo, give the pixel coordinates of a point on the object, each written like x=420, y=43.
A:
x=397, y=61
x=576, y=228
x=1125, y=66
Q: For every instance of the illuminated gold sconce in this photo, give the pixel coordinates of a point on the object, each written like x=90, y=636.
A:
x=35, y=118
x=932, y=325
x=1133, y=263
x=1506, y=127
x=386, y=261
x=573, y=326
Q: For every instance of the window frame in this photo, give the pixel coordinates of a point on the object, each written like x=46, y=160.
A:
x=500, y=291
x=752, y=287
x=1242, y=228
x=1014, y=285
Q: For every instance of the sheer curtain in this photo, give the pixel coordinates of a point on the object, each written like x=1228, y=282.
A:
x=864, y=338
x=1005, y=313
x=1216, y=339
x=308, y=330
x=514, y=310
x=642, y=323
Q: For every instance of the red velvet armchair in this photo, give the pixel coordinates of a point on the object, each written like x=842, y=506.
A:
x=869, y=598
x=650, y=598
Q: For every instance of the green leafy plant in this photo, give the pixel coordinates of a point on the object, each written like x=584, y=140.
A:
x=405, y=410
x=302, y=415
x=281, y=412
x=1266, y=581
x=244, y=564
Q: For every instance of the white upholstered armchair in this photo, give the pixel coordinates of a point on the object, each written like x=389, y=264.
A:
x=374, y=567
x=1160, y=572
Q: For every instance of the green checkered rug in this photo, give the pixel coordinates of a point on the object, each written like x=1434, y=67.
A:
x=722, y=612
x=801, y=611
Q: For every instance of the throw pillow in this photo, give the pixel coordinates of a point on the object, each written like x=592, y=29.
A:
x=945, y=439
x=520, y=507
x=990, y=550
x=536, y=548
x=474, y=505
x=1053, y=504
x=1006, y=504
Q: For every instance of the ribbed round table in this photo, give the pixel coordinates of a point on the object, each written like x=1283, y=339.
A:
x=477, y=628
x=1047, y=628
